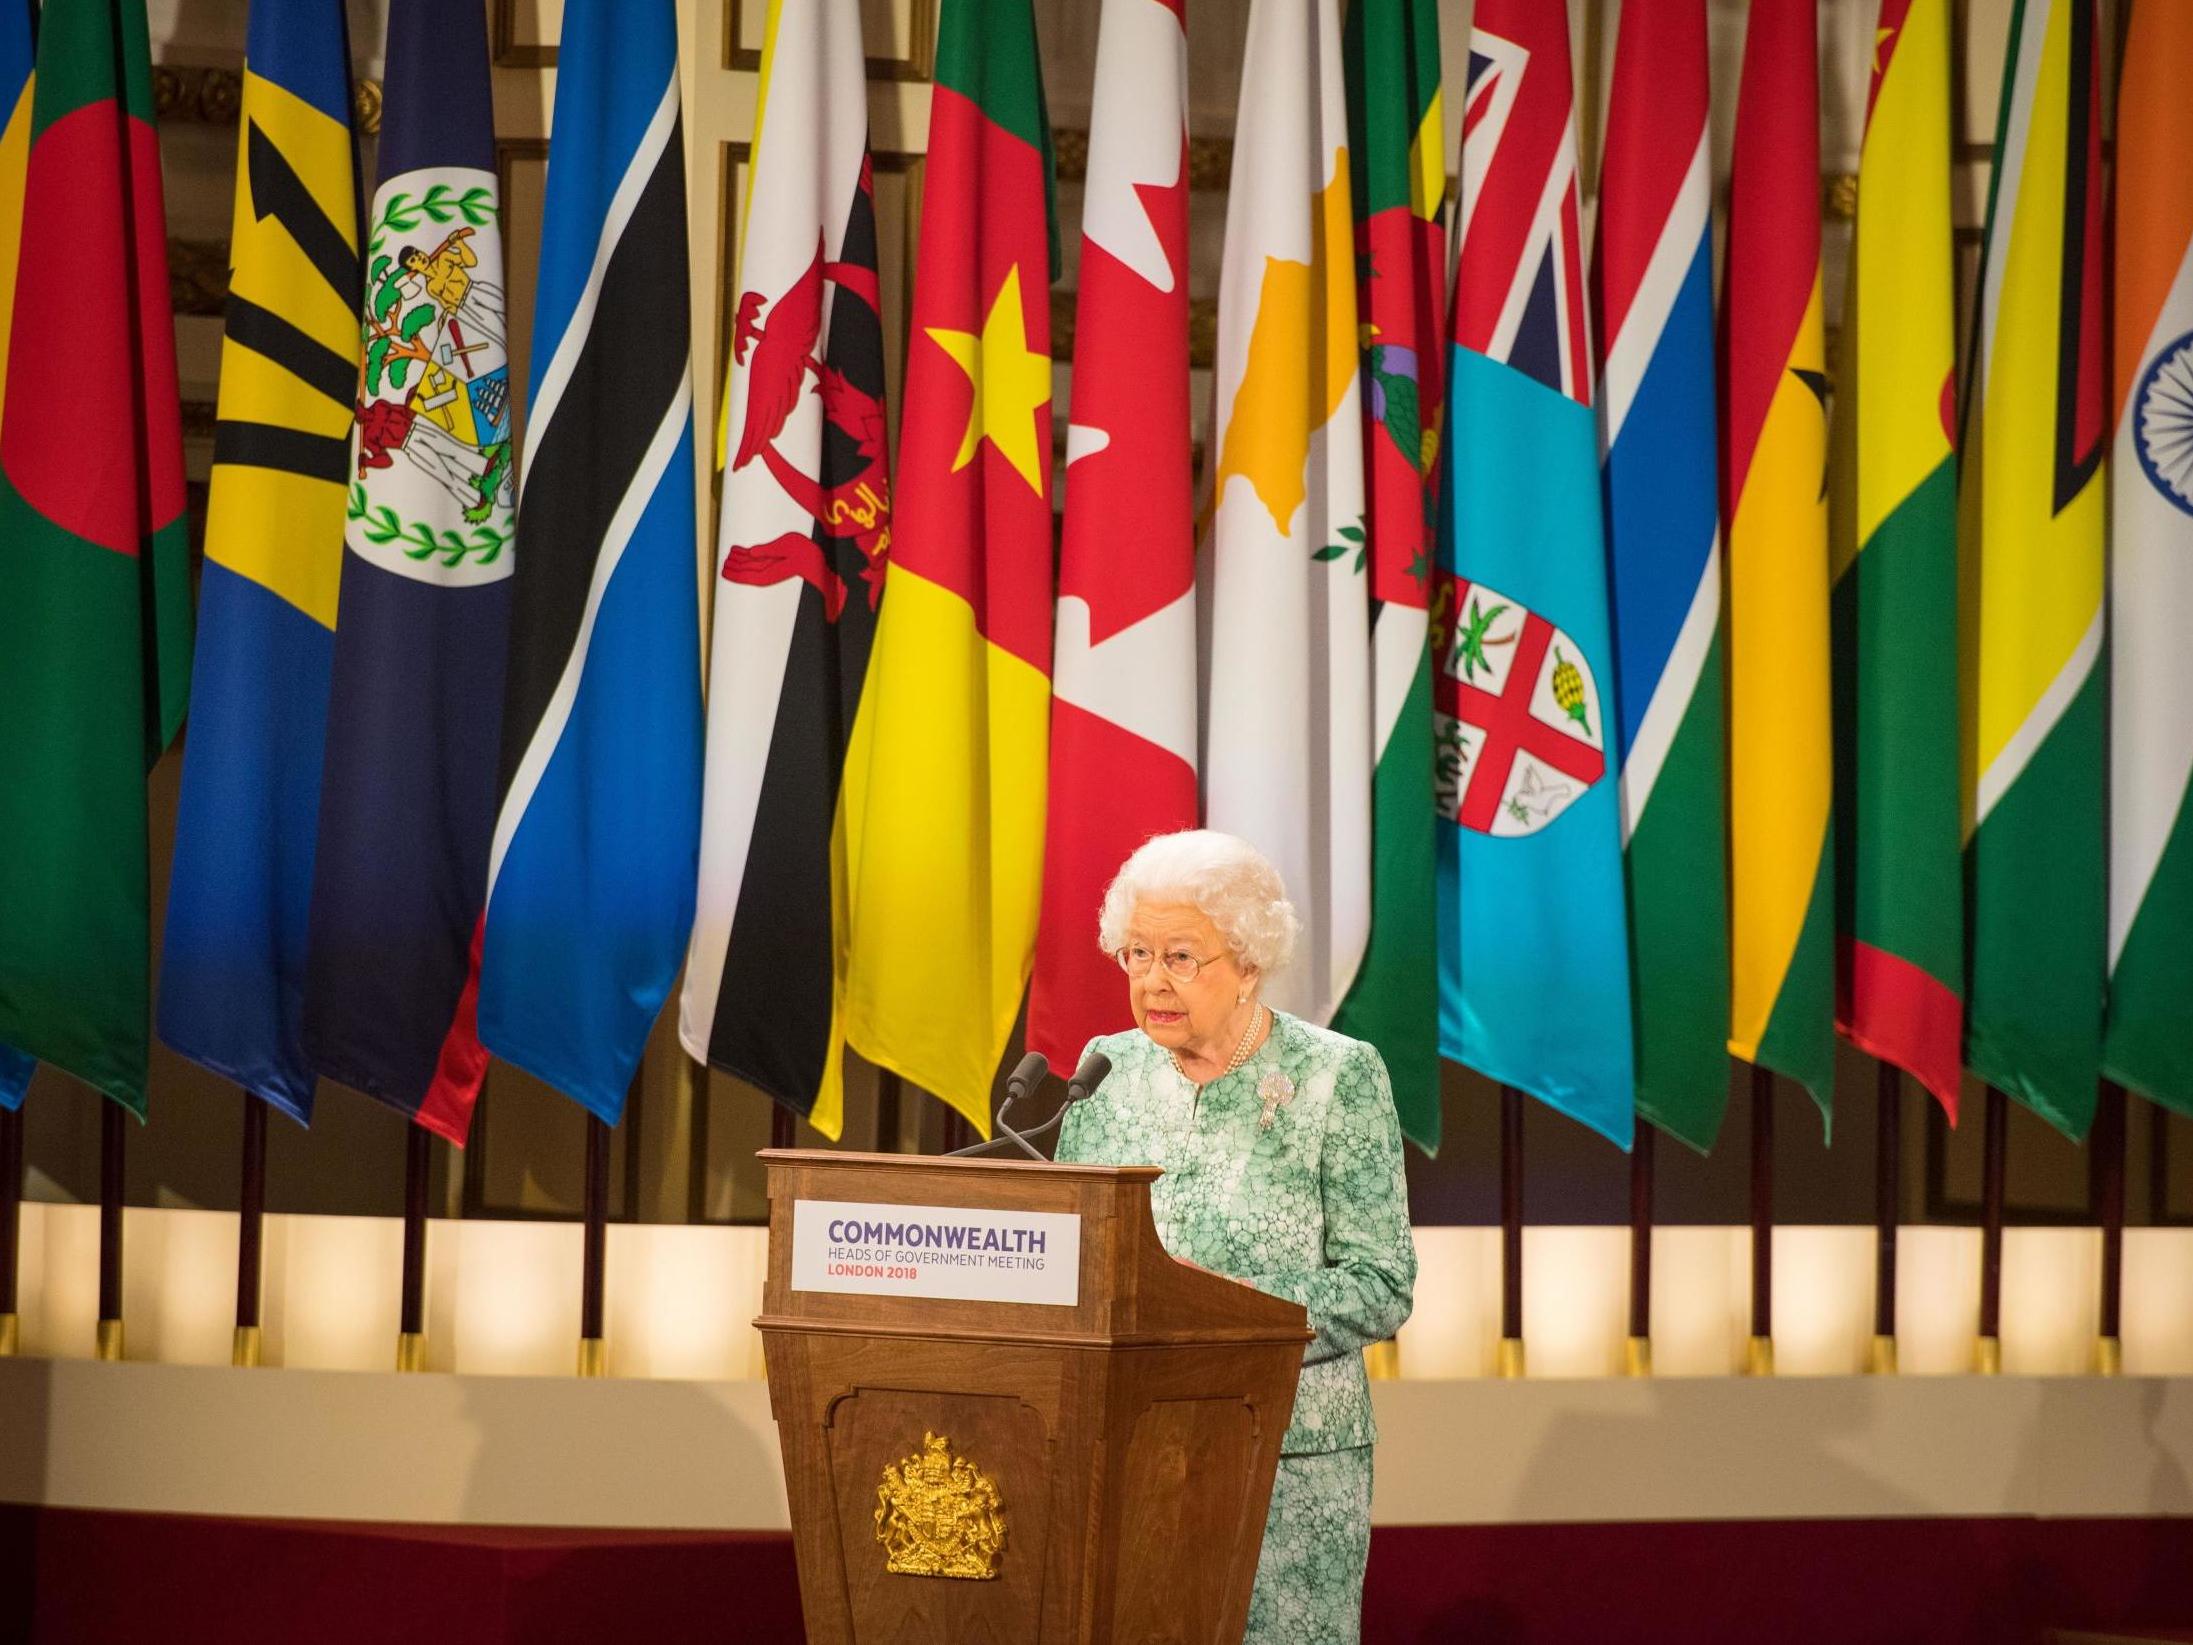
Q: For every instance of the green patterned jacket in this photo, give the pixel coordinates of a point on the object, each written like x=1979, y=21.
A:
x=1311, y=1205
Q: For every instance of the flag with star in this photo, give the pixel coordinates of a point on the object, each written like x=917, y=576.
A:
x=944, y=783
x=1774, y=506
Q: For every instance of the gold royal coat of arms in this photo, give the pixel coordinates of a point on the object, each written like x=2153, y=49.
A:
x=939, y=1515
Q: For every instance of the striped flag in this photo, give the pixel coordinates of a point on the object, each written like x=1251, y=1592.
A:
x=805, y=532
x=415, y=700
x=591, y=875
x=2148, y=1048
x=1287, y=659
x=944, y=787
x=16, y=62
x=1774, y=506
x=1398, y=185
x=1123, y=705
x=1900, y=892
x=1653, y=280
x=232, y=976
x=2031, y=511
x=1534, y=938
x=95, y=622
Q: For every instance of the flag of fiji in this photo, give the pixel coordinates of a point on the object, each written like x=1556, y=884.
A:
x=407, y=803
x=1534, y=955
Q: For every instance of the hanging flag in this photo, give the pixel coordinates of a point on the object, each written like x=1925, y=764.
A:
x=944, y=786
x=415, y=707
x=602, y=716
x=1653, y=281
x=1900, y=891
x=1774, y=504
x=1123, y=705
x=2148, y=1048
x=1398, y=185
x=16, y=61
x=95, y=623
x=1287, y=752
x=803, y=540
x=1534, y=936
x=2031, y=522
x=232, y=976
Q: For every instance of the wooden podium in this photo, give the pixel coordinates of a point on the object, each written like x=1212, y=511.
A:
x=1095, y=1470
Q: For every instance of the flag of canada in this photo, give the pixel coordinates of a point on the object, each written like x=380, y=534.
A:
x=1518, y=727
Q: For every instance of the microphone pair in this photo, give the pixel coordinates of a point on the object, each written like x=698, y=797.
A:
x=1027, y=1074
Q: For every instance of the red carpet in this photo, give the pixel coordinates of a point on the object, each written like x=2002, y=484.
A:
x=78, y=1578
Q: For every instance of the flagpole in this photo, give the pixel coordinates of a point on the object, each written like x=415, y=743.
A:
x=1759, y=1351
x=112, y=1142
x=1511, y=1232
x=2111, y=1133
x=1637, y=1351
x=11, y=1209
x=411, y=1327
x=593, y=1346
x=250, y=1225
x=888, y=1088
x=1987, y=1353
x=1888, y=1166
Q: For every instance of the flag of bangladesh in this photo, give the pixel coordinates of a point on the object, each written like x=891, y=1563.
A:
x=95, y=627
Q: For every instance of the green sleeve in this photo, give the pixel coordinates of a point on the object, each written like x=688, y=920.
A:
x=1363, y=1291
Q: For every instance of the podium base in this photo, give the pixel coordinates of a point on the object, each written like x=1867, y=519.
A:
x=108, y=1345
x=1987, y=1357
x=244, y=1349
x=2109, y=1356
x=411, y=1350
x=1637, y=1356
x=1759, y=1357
x=1881, y=1357
x=1510, y=1363
x=593, y=1357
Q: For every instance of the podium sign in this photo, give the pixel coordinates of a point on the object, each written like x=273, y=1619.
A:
x=1007, y=1416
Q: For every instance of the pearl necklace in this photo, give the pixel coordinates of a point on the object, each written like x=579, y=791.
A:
x=1240, y=1056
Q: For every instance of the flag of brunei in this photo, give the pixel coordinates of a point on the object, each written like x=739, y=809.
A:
x=232, y=976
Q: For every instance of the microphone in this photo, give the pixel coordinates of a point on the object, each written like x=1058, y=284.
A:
x=1027, y=1074
x=1080, y=1088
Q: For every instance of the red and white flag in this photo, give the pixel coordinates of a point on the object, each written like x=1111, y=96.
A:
x=1123, y=706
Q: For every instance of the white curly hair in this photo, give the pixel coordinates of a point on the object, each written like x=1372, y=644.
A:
x=1228, y=879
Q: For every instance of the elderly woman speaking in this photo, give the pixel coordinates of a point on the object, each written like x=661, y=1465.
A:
x=1282, y=1161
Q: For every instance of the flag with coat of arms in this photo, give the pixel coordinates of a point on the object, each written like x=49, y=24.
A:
x=1534, y=941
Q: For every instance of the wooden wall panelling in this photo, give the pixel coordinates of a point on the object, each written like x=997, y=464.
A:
x=901, y=36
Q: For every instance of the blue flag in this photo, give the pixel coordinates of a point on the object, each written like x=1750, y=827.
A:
x=1534, y=947
x=232, y=982
x=597, y=840
x=15, y=111
x=407, y=803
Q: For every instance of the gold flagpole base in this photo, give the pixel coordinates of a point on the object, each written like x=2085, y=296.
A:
x=244, y=1350
x=1987, y=1357
x=1637, y=1356
x=1881, y=1357
x=2108, y=1356
x=1382, y=1360
x=110, y=1339
x=11, y=1336
x=593, y=1357
x=411, y=1350
x=1510, y=1363
x=1759, y=1357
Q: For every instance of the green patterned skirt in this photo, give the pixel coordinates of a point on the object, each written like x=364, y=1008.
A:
x=1317, y=1539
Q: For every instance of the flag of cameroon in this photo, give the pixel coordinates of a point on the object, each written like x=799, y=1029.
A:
x=95, y=626
x=945, y=780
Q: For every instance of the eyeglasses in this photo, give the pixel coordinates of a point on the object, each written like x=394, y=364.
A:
x=1179, y=964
